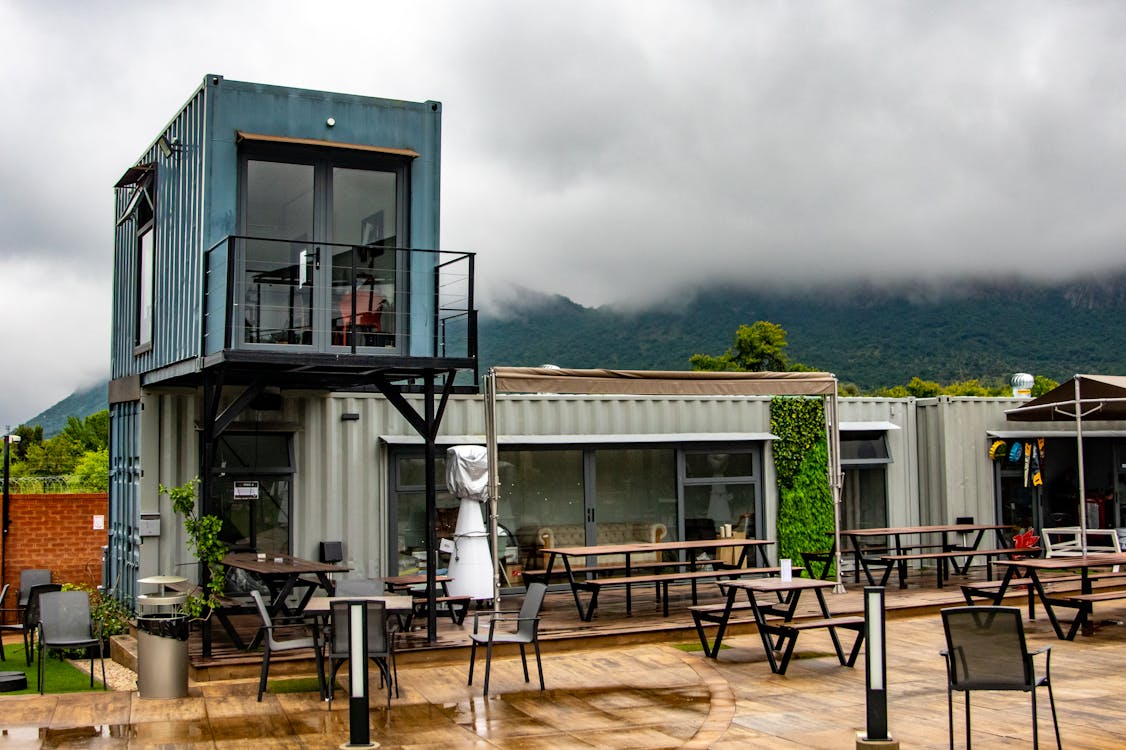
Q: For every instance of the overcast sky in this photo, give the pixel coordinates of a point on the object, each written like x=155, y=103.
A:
x=613, y=152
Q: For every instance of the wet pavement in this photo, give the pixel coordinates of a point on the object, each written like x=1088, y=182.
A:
x=659, y=695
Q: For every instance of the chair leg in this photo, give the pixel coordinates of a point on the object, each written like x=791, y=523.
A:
x=39, y=671
x=524, y=663
x=1055, y=723
x=472, y=660
x=967, y=720
x=265, y=671
x=539, y=663
x=1035, y=723
x=488, y=665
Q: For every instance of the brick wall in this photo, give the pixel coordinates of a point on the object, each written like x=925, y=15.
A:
x=56, y=532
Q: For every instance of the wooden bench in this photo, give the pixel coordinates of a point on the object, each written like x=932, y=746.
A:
x=541, y=575
x=1085, y=604
x=900, y=561
x=663, y=581
x=456, y=607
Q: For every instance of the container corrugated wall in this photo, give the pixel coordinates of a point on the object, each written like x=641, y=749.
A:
x=177, y=252
x=955, y=475
x=122, y=561
x=340, y=489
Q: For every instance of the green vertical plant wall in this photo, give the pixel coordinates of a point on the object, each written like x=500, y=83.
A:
x=801, y=461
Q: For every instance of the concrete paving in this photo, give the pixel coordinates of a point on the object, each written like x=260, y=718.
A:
x=654, y=695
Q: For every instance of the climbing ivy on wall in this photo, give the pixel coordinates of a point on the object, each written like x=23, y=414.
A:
x=805, y=502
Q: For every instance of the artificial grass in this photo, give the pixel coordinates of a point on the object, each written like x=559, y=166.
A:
x=293, y=685
x=690, y=647
x=59, y=675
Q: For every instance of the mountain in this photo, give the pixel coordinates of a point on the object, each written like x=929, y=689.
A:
x=81, y=404
x=868, y=334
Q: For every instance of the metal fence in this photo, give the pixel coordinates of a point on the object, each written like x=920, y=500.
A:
x=55, y=485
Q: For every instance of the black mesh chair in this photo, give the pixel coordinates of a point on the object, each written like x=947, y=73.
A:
x=29, y=579
x=285, y=634
x=985, y=650
x=527, y=630
x=380, y=647
x=31, y=616
x=65, y=624
x=5, y=626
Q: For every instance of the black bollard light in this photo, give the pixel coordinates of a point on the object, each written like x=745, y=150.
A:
x=359, y=731
x=875, y=673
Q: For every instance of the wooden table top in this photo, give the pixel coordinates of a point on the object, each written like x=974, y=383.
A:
x=777, y=584
x=288, y=565
x=1098, y=560
x=394, y=602
x=640, y=547
x=412, y=579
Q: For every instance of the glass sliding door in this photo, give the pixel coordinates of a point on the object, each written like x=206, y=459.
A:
x=324, y=259
x=278, y=214
x=251, y=490
x=634, y=495
x=364, y=280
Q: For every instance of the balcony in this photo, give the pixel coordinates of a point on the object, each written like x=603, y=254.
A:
x=338, y=307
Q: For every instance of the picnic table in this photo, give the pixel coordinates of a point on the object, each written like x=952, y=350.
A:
x=777, y=635
x=456, y=606
x=282, y=573
x=896, y=552
x=601, y=574
x=1029, y=572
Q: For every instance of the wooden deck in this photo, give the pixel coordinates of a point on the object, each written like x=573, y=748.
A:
x=563, y=630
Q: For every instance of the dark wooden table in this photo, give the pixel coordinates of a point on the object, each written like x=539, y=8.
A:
x=283, y=573
x=566, y=554
x=1032, y=567
x=945, y=549
x=779, y=635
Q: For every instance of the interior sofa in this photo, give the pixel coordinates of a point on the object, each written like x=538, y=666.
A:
x=537, y=538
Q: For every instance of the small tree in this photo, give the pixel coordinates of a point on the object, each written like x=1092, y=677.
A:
x=760, y=347
x=203, y=538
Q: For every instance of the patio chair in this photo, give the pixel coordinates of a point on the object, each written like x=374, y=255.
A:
x=985, y=650
x=395, y=622
x=5, y=626
x=380, y=646
x=301, y=634
x=65, y=623
x=29, y=578
x=527, y=630
x=31, y=616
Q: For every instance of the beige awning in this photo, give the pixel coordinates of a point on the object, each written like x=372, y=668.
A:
x=663, y=382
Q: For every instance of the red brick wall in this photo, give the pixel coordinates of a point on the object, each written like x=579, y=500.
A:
x=56, y=532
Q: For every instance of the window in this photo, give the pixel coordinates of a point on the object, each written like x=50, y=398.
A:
x=144, y=286
x=864, y=459
x=721, y=487
x=140, y=210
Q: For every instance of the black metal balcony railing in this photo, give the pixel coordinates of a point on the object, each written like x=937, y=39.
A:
x=293, y=295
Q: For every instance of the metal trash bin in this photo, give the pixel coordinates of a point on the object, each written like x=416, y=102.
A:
x=162, y=642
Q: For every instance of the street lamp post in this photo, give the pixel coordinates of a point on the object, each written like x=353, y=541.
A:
x=5, y=516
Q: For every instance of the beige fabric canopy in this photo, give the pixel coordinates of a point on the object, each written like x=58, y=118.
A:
x=662, y=383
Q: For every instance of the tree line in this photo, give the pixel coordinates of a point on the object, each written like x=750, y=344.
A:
x=761, y=347
x=78, y=457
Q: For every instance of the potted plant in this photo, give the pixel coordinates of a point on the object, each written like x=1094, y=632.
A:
x=203, y=538
x=109, y=615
